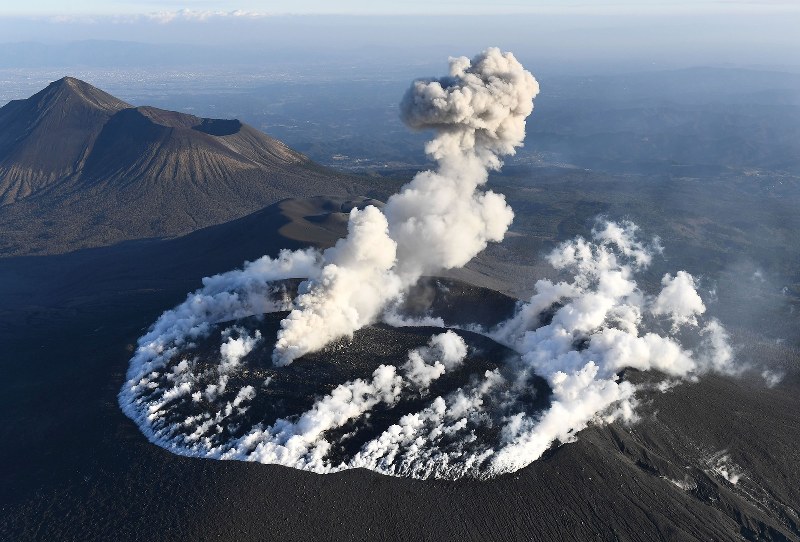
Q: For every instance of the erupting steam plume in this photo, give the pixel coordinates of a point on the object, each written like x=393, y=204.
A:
x=440, y=220
x=577, y=334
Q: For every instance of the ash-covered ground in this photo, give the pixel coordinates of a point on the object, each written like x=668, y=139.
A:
x=86, y=471
x=704, y=448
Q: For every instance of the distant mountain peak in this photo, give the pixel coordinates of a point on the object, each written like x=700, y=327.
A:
x=46, y=138
x=96, y=170
x=70, y=81
x=69, y=91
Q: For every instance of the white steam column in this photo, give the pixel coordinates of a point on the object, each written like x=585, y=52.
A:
x=440, y=220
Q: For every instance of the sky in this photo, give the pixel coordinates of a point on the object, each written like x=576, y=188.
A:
x=590, y=36
x=244, y=8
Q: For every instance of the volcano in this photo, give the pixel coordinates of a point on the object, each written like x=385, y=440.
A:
x=666, y=477
x=81, y=168
x=454, y=413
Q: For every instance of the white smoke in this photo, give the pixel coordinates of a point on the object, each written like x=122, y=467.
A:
x=444, y=352
x=348, y=293
x=228, y=296
x=301, y=444
x=580, y=334
x=439, y=441
x=771, y=378
x=679, y=300
x=440, y=220
x=577, y=334
x=234, y=349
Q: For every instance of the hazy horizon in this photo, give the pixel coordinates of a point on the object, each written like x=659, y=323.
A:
x=578, y=42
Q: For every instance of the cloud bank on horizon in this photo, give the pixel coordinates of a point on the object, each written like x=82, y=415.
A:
x=206, y=9
x=577, y=334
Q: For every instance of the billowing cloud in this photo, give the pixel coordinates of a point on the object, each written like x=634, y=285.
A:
x=679, y=300
x=440, y=220
x=440, y=415
x=579, y=334
x=444, y=352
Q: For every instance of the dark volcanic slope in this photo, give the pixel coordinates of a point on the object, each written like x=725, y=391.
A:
x=78, y=469
x=48, y=137
x=79, y=168
x=75, y=468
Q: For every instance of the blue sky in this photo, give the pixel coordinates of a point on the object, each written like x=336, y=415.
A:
x=200, y=8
